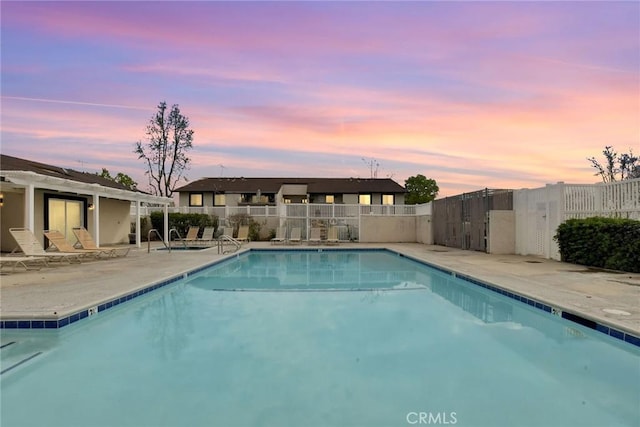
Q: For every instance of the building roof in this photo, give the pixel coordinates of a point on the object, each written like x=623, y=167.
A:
x=314, y=185
x=22, y=172
x=9, y=163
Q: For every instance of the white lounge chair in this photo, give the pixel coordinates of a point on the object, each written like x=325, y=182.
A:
x=207, y=236
x=280, y=236
x=332, y=236
x=30, y=246
x=58, y=240
x=243, y=233
x=315, y=236
x=192, y=234
x=295, y=236
x=86, y=241
x=26, y=262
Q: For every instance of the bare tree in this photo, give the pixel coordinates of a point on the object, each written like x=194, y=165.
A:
x=626, y=165
x=165, y=151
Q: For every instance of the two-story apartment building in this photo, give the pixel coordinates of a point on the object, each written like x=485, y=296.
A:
x=275, y=191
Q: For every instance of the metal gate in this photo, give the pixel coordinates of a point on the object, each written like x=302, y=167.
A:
x=462, y=221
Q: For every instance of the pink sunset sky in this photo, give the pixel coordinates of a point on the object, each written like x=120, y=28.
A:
x=471, y=94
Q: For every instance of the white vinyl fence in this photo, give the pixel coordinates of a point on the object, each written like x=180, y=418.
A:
x=347, y=218
x=540, y=211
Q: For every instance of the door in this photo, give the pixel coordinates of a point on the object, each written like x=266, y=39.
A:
x=64, y=215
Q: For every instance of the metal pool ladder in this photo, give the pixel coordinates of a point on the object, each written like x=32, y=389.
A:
x=173, y=230
x=227, y=238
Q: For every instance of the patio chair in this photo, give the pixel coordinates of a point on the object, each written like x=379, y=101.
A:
x=280, y=236
x=243, y=233
x=294, y=236
x=26, y=262
x=30, y=246
x=86, y=241
x=227, y=231
x=192, y=234
x=315, y=236
x=332, y=236
x=58, y=240
x=207, y=236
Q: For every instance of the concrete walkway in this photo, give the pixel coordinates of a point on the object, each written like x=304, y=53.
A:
x=607, y=297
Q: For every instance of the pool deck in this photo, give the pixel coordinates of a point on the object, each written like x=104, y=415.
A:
x=609, y=298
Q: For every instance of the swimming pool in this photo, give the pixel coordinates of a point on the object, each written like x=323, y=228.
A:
x=320, y=338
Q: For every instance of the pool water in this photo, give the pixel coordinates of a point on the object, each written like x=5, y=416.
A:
x=332, y=338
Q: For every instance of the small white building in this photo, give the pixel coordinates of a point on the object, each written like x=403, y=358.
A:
x=42, y=197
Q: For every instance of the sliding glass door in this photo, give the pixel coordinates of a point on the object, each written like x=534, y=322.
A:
x=64, y=215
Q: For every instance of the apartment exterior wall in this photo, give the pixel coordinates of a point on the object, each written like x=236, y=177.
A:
x=114, y=221
x=11, y=216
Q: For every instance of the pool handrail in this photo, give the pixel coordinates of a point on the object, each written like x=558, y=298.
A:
x=173, y=230
x=226, y=237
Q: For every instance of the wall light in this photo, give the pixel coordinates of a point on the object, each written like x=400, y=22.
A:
x=1, y=200
x=91, y=206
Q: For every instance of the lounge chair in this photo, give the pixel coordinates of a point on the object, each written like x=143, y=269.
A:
x=58, y=240
x=332, y=236
x=86, y=241
x=315, y=236
x=294, y=236
x=26, y=262
x=207, y=236
x=243, y=233
x=227, y=231
x=30, y=246
x=280, y=236
x=192, y=234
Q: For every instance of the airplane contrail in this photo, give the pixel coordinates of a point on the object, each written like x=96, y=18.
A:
x=59, y=101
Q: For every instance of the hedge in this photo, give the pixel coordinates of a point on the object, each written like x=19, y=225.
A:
x=611, y=243
x=182, y=221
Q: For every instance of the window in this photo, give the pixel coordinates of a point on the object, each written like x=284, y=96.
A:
x=219, y=200
x=195, y=199
x=329, y=198
x=364, y=199
x=388, y=199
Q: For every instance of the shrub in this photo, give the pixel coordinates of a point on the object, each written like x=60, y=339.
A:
x=612, y=243
x=181, y=222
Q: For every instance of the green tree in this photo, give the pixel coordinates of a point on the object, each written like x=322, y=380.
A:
x=617, y=166
x=420, y=189
x=120, y=178
x=165, y=151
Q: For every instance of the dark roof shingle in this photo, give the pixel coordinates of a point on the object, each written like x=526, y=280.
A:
x=10, y=163
x=314, y=185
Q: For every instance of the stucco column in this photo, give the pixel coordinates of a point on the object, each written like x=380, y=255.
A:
x=138, y=231
x=29, y=207
x=96, y=218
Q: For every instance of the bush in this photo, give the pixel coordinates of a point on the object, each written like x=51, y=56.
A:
x=181, y=222
x=612, y=243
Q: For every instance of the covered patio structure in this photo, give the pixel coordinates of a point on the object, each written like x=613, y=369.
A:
x=39, y=197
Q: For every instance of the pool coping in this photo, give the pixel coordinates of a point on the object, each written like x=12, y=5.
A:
x=554, y=308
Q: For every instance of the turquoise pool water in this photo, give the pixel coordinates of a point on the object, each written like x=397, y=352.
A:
x=333, y=338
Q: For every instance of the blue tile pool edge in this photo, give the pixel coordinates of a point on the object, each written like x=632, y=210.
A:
x=565, y=314
x=82, y=314
x=60, y=322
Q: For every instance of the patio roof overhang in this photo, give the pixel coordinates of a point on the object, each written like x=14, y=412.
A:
x=29, y=181
x=28, y=178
